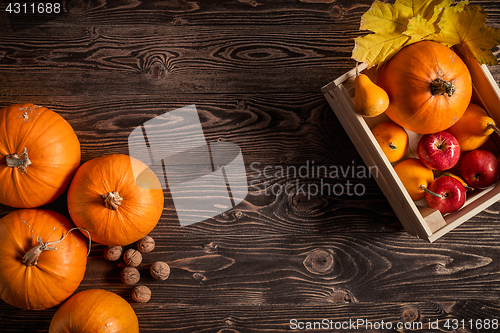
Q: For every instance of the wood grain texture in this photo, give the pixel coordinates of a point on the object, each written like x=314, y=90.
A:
x=166, y=60
x=291, y=249
x=418, y=317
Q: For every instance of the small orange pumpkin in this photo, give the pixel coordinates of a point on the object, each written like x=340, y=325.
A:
x=117, y=198
x=42, y=258
x=429, y=87
x=39, y=153
x=95, y=311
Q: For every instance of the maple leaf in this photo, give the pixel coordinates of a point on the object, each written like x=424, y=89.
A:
x=374, y=49
x=410, y=21
x=389, y=23
x=419, y=28
x=466, y=24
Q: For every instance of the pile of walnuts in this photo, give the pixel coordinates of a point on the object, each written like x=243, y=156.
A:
x=132, y=258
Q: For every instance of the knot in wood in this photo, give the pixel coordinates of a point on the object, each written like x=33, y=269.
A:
x=284, y=159
x=242, y=105
x=305, y=198
x=252, y=3
x=336, y=11
x=463, y=330
x=210, y=247
x=341, y=296
x=319, y=262
x=93, y=32
x=179, y=21
x=158, y=70
x=199, y=276
x=229, y=321
x=409, y=314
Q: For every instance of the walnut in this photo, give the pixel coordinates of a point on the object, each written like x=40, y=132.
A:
x=113, y=253
x=146, y=244
x=132, y=257
x=141, y=294
x=160, y=270
x=130, y=275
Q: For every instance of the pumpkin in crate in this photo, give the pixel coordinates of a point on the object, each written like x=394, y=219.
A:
x=117, y=198
x=42, y=258
x=39, y=153
x=429, y=87
x=95, y=311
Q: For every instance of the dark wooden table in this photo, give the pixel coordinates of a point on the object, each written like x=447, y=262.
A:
x=254, y=70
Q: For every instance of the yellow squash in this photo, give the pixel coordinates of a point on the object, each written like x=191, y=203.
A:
x=370, y=100
x=473, y=129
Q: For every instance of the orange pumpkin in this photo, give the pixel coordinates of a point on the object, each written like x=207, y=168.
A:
x=42, y=258
x=429, y=87
x=95, y=311
x=117, y=198
x=39, y=153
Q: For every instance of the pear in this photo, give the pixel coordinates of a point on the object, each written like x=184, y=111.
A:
x=370, y=100
x=474, y=128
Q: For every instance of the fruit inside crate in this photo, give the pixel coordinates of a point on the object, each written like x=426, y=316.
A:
x=427, y=223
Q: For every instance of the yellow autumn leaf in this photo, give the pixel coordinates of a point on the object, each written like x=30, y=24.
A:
x=466, y=24
x=409, y=21
x=374, y=49
x=384, y=18
x=388, y=23
x=420, y=28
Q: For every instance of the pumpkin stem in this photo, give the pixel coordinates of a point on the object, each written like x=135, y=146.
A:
x=112, y=200
x=442, y=87
x=31, y=258
x=17, y=161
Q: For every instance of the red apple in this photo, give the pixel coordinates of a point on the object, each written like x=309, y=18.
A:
x=438, y=151
x=480, y=168
x=446, y=194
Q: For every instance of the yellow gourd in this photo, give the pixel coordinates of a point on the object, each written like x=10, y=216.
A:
x=415, y=177
x=369, y=99
x=473, y=129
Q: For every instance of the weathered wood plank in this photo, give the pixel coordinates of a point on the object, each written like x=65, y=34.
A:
x=213, y=13
x=271, y=129
x=167, y=60
x=309, y=269
x=418, y=317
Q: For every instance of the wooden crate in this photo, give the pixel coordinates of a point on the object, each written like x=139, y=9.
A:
x=416, y=217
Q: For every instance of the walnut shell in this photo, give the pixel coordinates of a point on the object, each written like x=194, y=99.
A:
x=130, y=275
x=113, y=253
x=141, y=294
x=132, y=257
x=146, y=244
x=160, y=270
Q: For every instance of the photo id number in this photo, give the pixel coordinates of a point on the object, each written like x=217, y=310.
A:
x=33, y=8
